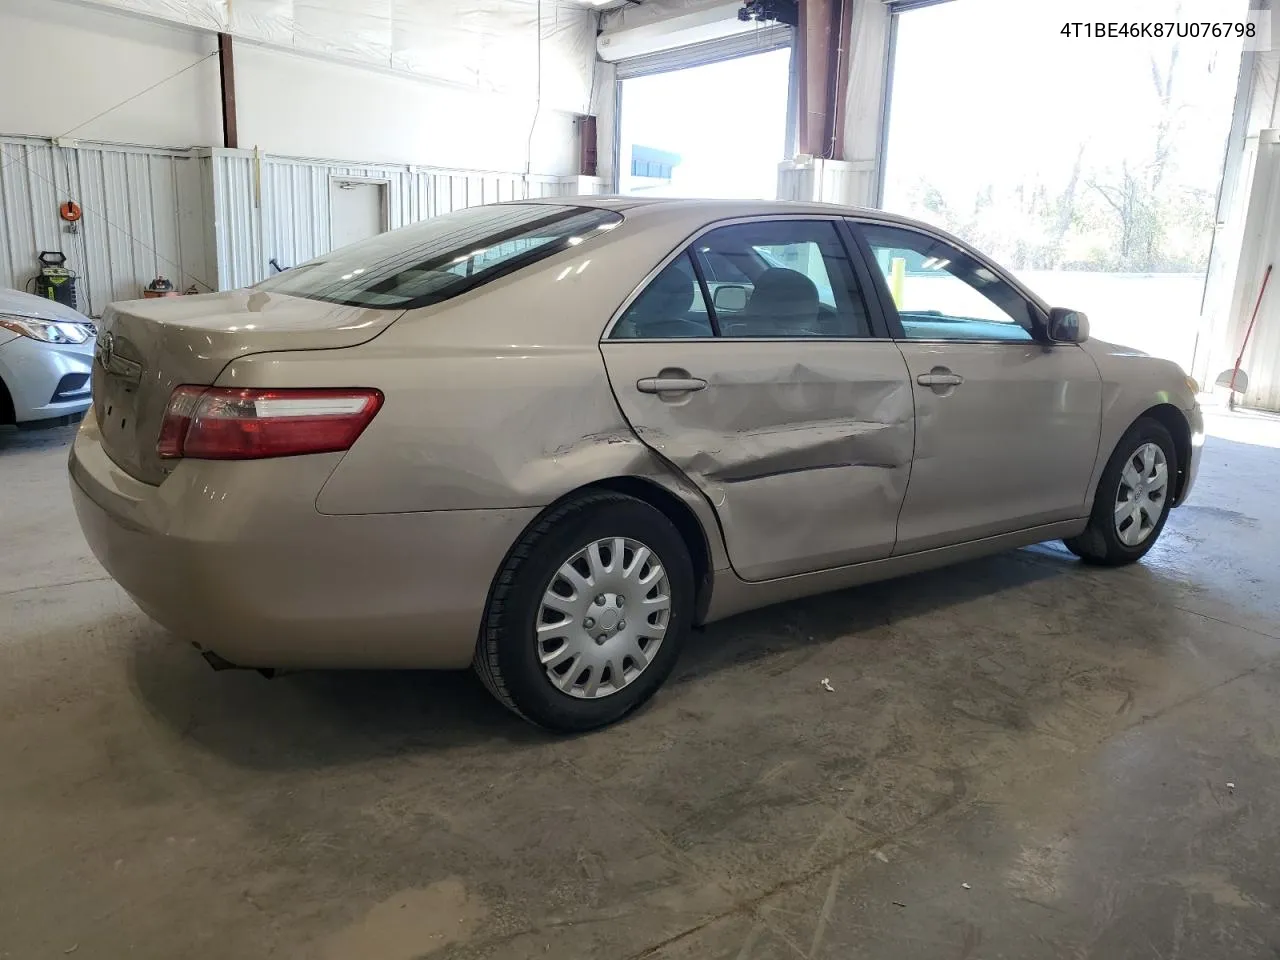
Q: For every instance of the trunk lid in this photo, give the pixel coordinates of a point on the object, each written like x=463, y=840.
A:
x=147, y=347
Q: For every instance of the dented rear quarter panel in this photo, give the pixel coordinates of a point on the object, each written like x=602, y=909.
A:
x=470, y=429
x=497, y=399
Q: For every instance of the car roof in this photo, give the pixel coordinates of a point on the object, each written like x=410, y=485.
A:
x=681, y=214
x=682, y=208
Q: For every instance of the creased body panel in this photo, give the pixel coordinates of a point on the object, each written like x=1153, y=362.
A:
x=464, y=428
x=470, y=429
x=803, y=448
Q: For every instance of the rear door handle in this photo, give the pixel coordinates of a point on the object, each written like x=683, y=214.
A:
x=940, y=379
x=670, y=384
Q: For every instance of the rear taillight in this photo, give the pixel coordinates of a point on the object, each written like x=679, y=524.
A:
x=177, y=418
x=223, y=423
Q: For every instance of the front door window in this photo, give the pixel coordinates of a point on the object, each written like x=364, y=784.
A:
x=942, y=293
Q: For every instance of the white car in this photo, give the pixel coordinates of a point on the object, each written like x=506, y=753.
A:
x=46, y=357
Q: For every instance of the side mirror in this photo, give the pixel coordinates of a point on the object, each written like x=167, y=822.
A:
x=730, y=299
x=1067, y=326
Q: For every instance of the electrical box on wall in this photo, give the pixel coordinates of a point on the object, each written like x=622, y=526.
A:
x=587, y=162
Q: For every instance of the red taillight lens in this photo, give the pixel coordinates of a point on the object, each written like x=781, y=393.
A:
x=222, y=423
x=177, y=418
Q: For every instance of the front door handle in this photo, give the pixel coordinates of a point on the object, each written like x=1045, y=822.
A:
x=670, y=384
x=939, y=377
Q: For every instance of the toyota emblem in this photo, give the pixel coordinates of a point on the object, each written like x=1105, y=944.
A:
x=106, y=349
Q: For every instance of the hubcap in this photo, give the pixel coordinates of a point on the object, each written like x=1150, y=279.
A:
x=1140, y=499
x=603, y=617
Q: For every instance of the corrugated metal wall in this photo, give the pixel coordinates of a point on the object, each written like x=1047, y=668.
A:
x=277, y=208
x=209, y=218
x=143, y=215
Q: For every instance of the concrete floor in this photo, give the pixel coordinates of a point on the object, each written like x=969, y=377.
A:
x=1023, y=757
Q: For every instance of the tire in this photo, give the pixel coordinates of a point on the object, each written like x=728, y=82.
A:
x=509, y=655
x=1107, y=540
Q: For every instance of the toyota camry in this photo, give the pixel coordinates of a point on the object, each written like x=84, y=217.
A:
x=549, y=438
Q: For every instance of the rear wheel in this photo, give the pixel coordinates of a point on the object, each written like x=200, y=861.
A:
x=589, y=613
x=1133, y=498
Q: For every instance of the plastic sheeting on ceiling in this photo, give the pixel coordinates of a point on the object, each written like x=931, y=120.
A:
x=487, y=45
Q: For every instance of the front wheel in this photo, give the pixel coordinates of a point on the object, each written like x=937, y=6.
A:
x=1133, y=498
x=588, y=614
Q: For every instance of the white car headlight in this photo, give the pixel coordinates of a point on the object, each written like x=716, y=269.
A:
x=47, y=331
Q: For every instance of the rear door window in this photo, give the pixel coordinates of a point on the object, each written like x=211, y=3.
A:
x=774, y=279
x=670, y=308
x=808, y=259
x=720, y=269
x=442, y=257
x=801, y=282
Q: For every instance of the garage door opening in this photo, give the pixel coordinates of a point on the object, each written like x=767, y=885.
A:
x=1088, y=167
x=715, y=130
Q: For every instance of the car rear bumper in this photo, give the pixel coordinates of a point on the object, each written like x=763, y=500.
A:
x=235, y=558
x=1195, y=419
x=37, y=374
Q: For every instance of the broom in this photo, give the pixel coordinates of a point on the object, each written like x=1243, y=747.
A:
x=1235, y=371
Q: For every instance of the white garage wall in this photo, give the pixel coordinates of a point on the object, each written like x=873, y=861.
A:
x=490, y=45
x=306, y=107
x=83, y=70
x=63, y=64
x=143, y=215
x=211, y=218
x=268, y=207
x=1261, y=249
x=1230, y=288
x=434, y=92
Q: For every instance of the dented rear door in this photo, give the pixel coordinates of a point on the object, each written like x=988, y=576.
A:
x=803, y=447
x=792, y=412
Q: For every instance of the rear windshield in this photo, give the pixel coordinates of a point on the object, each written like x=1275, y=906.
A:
x=442, y=257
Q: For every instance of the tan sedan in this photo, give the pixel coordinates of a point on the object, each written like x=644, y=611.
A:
x=548, y=438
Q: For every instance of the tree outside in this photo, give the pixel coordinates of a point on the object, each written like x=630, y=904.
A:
x=1068, y=156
